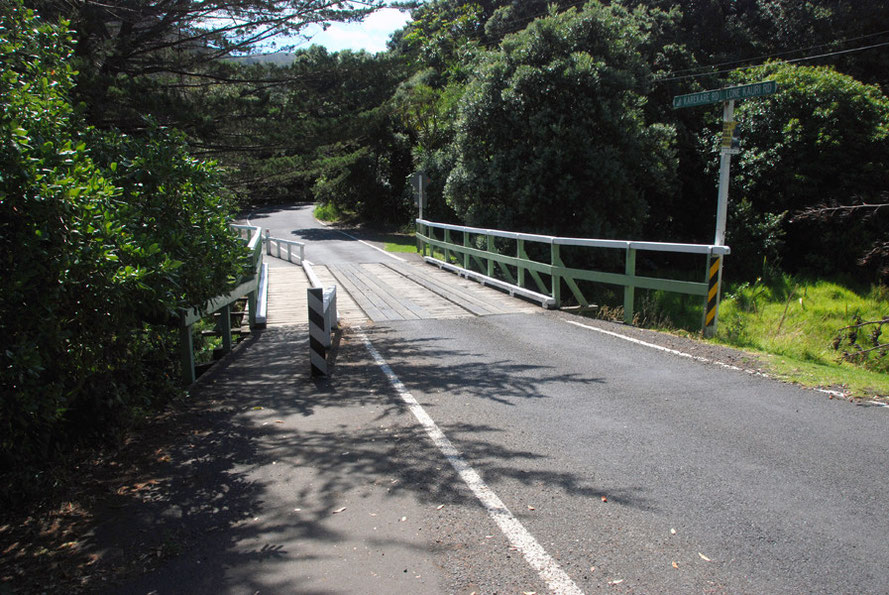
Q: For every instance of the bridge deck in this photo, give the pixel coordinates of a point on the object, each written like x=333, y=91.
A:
x=287, y=294
x=383, y=291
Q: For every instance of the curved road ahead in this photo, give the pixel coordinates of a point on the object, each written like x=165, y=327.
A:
x=631, y=468
x=327, y=245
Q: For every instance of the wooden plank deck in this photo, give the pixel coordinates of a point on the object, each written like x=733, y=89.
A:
x=287, y=294
x=349, y=310
x=385, y=291
x=467, y=294
x=430, y=303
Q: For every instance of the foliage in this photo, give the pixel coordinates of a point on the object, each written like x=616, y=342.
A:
x=797, y=318
x=369, y=180
x=445, y=34
x=329, y=212
x=139, y=57
x=102, y=238
x=550, y=135
x=319, y=129
x=721, y=34
x=756, y=239
x=823, y=136
x=862, y=341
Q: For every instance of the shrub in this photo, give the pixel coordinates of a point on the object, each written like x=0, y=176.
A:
x=103, y=238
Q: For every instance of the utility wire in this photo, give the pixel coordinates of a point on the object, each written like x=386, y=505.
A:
x=788, y=61
x=783, y=53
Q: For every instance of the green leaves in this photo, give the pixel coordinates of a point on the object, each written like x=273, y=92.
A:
x=102, y=238
x=551, y=137
x=823, y=138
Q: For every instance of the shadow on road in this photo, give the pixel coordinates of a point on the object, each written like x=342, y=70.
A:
x=259, y=436
x=320, y=235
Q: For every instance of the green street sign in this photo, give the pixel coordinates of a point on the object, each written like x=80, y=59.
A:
x=726, y=94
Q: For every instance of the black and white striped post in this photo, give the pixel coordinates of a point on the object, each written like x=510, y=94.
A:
x=322, y=319
x=714, y=280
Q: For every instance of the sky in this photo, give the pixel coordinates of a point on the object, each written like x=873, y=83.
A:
x=370, y=34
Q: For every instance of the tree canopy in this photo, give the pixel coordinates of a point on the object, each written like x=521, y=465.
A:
x=551, y=133
x=548, y=117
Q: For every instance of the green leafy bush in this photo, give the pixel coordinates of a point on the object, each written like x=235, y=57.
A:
x=822, y=138
x=103, y=238
x=551, y=135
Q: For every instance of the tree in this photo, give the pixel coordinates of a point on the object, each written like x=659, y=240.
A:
x=139, y=57
x=695, y=48
x=103, y=238
x=823, y=137
x=551, y=136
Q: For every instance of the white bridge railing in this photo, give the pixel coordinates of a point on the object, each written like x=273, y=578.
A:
x=483, y=255
x=253, y=287
x=284, y=249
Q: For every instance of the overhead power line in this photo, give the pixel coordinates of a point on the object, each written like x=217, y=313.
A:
x=758, y=61
x=778, y=54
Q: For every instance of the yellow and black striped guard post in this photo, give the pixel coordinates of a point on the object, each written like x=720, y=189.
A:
x=713, y=276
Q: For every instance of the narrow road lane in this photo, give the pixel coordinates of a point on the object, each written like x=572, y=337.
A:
x=633, y=469
x=329, y=246
x=664, y=473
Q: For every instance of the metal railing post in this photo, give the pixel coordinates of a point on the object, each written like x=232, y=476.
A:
x=556, y=264
x=520, y=270
x=629, y=288
x=467, y=260
x=447, y=239
x=490, y=249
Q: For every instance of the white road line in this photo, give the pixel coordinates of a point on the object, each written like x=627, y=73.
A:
x=369, y=245
x=351, y=237
x=556, y=579
x=705, y=360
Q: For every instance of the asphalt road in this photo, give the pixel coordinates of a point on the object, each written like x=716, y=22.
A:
x=634, y=469
x=325, y=245
x=781, y=489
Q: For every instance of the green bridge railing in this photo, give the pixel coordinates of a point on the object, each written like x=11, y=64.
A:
x=474, y=252
x=249, y=287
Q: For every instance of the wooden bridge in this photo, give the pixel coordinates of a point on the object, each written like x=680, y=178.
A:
x=377, y=292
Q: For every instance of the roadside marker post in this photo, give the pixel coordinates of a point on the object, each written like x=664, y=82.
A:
x=420, y=181
x=322, y=319
x=729, y=147
x=714, y=281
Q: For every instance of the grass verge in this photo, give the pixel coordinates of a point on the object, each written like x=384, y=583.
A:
x=799, y=322
x=394, y=242
x=796, y=327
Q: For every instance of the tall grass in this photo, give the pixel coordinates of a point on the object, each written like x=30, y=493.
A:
x=795, y=323
x=800, y=319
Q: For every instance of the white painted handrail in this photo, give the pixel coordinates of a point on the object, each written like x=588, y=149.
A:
x=586, y=242
x=279, y=243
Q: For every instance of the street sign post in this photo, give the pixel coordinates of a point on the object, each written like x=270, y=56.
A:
x=726, y=94
x=728, y=147
x=420, y=181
